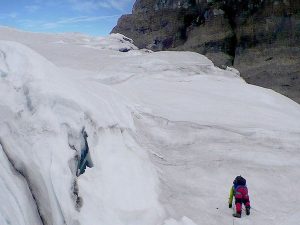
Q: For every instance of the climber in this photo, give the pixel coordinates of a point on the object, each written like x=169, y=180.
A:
x=240, y=192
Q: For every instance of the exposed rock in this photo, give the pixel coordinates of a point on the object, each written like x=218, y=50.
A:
x=268, y=48
x=259, y=37
x=215, y=39
x=155, y=33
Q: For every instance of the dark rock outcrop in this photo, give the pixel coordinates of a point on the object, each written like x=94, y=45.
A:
x=261, y=38
x=268, y=47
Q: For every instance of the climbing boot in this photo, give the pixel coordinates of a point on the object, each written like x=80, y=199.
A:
x=247, y=210
x=237, y=215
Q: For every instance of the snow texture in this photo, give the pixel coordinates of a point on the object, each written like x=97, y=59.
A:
x=167, y=134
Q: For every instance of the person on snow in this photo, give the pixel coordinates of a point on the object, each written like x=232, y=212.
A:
x=240, y=192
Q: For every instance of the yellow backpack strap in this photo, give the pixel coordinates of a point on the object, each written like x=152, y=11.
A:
x=231, y=195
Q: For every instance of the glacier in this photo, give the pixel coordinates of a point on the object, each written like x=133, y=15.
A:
x=167, y=132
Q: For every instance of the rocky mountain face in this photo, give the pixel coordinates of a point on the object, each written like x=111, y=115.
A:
x=261, y=38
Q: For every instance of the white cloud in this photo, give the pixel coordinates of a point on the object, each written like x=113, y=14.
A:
x=46, y=25
x=82, y=6
x=92, y=5
x=32, y=8
x=76, y=20
x=12, y=15
x=121, y=5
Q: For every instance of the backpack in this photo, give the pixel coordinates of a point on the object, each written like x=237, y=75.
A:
x=239, y=181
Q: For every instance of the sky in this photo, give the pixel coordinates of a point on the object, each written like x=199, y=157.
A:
x=93, y=17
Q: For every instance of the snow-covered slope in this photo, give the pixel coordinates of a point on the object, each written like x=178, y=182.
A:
x=167, y=133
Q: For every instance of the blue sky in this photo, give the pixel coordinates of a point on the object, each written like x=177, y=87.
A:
x=94, y=17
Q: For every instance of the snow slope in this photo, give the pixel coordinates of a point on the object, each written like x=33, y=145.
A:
x=167, y=133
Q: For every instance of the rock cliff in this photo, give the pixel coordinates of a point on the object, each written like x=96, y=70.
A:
x=259, y=37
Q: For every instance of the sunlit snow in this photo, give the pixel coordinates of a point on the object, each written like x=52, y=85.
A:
x=167, y=134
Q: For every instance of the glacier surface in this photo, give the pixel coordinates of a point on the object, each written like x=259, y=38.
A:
x=167, y=133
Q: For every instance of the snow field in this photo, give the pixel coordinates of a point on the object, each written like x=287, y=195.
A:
x=167, y=133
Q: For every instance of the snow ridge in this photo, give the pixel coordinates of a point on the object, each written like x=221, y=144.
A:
x=31, y=197
x=37, y=128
